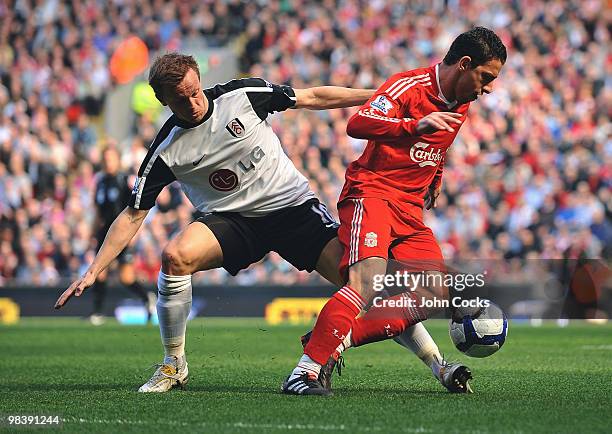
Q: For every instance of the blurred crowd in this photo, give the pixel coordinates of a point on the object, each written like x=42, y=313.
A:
x=529, y=175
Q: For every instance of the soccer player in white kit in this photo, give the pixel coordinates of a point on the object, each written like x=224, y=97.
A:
x=231, y=166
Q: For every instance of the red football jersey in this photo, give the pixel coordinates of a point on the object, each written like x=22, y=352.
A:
x=398, y=164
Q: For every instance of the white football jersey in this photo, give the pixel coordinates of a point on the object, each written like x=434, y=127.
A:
x=232, y=161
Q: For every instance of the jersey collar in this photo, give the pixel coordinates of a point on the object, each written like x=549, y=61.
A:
x=449, y=104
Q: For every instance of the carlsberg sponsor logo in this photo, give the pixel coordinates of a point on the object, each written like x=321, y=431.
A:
x=423, y=156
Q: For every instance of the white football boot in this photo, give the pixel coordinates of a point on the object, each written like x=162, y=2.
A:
x=454, y=376
x=172, y=373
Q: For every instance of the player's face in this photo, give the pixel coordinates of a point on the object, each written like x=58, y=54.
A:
x=474, y=82
x=187, y=101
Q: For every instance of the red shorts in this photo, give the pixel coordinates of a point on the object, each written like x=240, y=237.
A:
x=371, y=227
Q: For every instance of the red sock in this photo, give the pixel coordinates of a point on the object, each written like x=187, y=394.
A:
x=333, y=324
x=385, y=322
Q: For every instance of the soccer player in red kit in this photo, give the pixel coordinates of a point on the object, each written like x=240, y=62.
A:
x=409, y=123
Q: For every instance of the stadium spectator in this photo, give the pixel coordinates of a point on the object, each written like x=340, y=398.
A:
x=529, y=173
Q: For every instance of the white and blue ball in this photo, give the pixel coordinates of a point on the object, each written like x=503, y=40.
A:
x=480, y=336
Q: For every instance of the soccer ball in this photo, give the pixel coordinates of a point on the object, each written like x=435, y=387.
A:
x=482, y=335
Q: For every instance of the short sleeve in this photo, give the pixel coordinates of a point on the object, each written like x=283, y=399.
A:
x=268, y=98
x=153, y=176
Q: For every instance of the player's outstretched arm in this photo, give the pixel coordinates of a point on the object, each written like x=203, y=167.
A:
x=373, y=124
x=329, y=97
x=119, y=235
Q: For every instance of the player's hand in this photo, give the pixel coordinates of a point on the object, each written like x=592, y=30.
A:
x=432, y=196
x=77, y=288
x=438, y=121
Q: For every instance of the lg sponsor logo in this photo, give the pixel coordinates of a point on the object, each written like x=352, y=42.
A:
x=223, y=180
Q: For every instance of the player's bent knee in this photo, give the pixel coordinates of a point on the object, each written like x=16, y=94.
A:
x=177, y=261
x=179, y=258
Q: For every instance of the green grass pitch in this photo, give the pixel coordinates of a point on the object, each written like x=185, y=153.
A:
x=545, y=379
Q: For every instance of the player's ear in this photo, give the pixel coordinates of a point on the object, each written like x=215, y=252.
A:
x=465, y=63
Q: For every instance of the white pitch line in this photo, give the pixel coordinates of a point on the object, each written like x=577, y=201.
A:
x=240, y=425
x=597, y=347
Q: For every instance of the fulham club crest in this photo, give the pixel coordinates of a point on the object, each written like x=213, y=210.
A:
x=235, y=128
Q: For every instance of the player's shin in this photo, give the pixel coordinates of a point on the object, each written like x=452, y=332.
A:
x=173, y=306
x=387, y=318
x=333, y=325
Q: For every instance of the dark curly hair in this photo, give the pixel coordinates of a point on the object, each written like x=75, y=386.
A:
x=480, y=43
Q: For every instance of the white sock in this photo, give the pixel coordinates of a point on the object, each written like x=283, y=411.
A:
x=171, y=360
x=306, y=364
x=173, y=306
x=418, y=340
